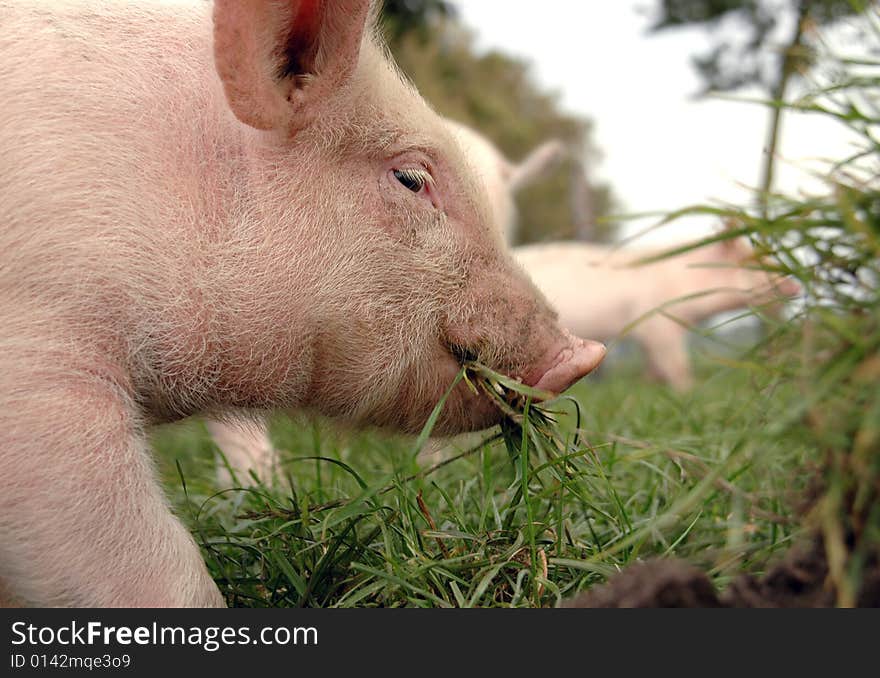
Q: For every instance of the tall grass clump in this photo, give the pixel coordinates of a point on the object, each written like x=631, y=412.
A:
x=829, y=346
x=832, y=244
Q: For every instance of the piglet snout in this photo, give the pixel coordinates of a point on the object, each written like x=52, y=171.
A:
x=566, y=363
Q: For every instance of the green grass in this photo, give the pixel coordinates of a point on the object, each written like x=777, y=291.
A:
x=358, y=520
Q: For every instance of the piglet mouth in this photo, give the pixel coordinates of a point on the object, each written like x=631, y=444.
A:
x=569, y=360
x=463, y=354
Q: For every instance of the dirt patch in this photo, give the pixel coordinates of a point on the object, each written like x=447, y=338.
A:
x=654, y=583
x=799, y=580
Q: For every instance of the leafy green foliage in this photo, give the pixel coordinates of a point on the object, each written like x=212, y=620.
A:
x=524, y=519
x=400, y=17
x=831, y=243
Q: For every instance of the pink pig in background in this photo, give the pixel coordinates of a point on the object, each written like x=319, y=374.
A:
x=502, y=178
x=207, y=209
x=602, y=291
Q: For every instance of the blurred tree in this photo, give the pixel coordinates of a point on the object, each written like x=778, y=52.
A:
x=495, y=94
x=753, y=54
x=404, y=16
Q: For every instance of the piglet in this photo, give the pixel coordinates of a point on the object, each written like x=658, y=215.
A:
x=208, y=208
x=244, y=444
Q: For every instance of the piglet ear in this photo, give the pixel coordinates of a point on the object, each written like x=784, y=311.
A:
x=537, y=164
x=280, y=61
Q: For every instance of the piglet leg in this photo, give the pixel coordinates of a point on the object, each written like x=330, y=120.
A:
x=665, y=343
x=83, y=520
x=246, y=447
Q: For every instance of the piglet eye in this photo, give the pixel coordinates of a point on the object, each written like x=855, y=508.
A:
x=413, y=179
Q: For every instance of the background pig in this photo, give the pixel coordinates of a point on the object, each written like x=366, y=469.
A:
x=501, y=177
x=599, y=292
x=211, y=208
x=246, y=449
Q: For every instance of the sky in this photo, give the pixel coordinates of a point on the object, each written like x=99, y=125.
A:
x=662, y=148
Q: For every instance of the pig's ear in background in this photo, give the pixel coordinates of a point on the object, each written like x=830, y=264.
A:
x=280, y=61
x=541, y=161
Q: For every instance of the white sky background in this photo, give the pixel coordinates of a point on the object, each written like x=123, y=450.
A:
x=662, y=149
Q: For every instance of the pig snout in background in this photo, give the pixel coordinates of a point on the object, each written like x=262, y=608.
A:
x=206, y=209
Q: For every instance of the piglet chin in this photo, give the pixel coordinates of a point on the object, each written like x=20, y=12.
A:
x=576, y=358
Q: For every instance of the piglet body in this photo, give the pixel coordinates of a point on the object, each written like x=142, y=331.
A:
x=602, y=291
x=206, y=208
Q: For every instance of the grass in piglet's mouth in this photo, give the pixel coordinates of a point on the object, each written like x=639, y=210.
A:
x=520, y=405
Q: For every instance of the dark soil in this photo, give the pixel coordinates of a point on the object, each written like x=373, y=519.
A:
x=799, y=580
